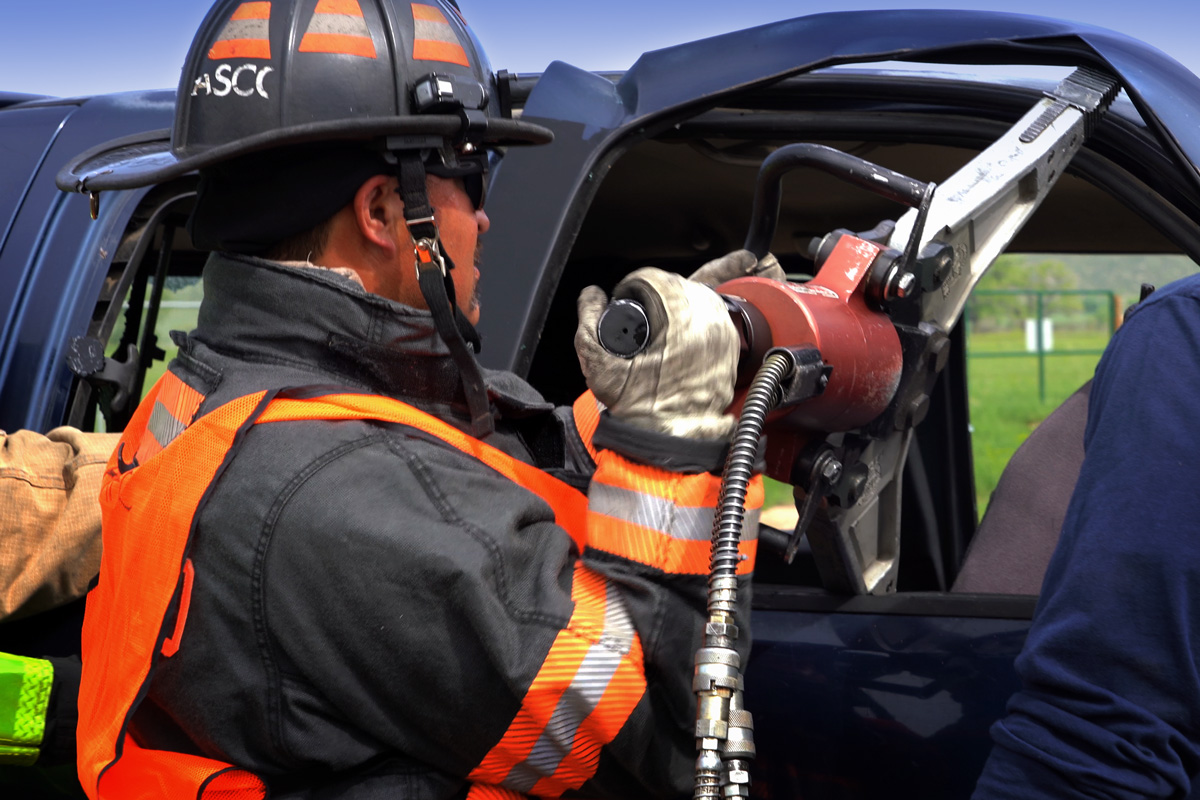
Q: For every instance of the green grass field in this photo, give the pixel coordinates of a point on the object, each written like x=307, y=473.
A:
x=1004, y=398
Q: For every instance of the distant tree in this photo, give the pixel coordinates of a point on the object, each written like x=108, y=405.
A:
x=1015, y=272
x=1009, y=272
x=1055, y=275
x=998, y=311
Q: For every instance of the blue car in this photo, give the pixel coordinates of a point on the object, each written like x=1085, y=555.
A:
x=876, y=672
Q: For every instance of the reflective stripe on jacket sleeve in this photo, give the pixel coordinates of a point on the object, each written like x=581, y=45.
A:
x=662, y=519
x=587, y=418
x=588, y=685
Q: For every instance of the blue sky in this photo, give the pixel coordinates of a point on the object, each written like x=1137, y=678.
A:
x=71, y=47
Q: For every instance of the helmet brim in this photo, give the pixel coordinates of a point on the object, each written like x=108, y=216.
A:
x=146, y=159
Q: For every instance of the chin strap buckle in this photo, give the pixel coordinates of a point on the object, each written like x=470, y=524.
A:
x=428, y=253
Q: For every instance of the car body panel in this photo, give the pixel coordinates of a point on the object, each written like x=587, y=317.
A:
x=53, y=262
x=868, y=705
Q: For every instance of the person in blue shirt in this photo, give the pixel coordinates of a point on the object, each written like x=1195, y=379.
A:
x=1110, y=702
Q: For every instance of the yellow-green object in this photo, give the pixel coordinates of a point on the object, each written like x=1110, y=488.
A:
x=24, y=697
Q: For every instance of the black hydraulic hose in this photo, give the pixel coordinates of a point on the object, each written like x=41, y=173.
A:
x=764, y=215
x=724, y=729
x=764, y=395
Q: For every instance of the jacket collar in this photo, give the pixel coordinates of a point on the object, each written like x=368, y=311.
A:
x=268, y=312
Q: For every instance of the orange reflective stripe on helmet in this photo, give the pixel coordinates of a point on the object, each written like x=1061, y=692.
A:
x=338, y=27
x=246, y=34
x=433, y=37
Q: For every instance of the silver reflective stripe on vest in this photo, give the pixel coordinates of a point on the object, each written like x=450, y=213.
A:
x=163, y=425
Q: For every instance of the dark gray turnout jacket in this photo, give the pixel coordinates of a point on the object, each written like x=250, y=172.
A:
x=371, y=605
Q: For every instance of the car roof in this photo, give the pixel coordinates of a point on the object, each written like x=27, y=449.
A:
x=13, y=98
x=702, y=73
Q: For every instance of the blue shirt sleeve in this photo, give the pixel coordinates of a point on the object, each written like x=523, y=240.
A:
x=1110, y=704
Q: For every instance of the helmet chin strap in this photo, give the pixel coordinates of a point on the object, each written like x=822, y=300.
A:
x=433, y=276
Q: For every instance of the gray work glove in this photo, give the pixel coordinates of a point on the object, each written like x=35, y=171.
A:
x=738, y=264
x=682, y=382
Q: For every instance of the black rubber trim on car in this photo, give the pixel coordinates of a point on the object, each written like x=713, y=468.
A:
x=914, y=604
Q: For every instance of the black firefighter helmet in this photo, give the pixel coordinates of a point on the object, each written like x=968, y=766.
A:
x=266, y=74
x=280, y=96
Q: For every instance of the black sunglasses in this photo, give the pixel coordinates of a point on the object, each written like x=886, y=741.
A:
x=476, y=186
x=472, y=169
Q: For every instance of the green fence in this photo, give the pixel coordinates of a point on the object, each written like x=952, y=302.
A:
x=1015, y=380
x=1041, y=348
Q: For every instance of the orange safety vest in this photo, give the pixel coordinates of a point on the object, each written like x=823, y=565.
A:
x=136, y=614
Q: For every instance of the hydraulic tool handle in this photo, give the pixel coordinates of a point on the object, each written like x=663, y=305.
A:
x=624, y=328
x=624, y=331
x=764, y=214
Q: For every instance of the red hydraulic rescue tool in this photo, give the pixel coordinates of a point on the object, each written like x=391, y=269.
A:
x=843, y=366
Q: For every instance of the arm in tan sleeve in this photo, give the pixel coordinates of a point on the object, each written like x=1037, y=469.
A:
x=49, y=517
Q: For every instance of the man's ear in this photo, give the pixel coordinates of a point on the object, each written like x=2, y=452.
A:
x=377, y=208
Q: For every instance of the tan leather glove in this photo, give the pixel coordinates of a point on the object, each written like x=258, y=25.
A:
x=738, y=264
x=49, y=517
x=682, y=382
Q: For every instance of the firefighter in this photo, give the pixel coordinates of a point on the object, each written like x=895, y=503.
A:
x=340, y=558
x=1110, y=689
